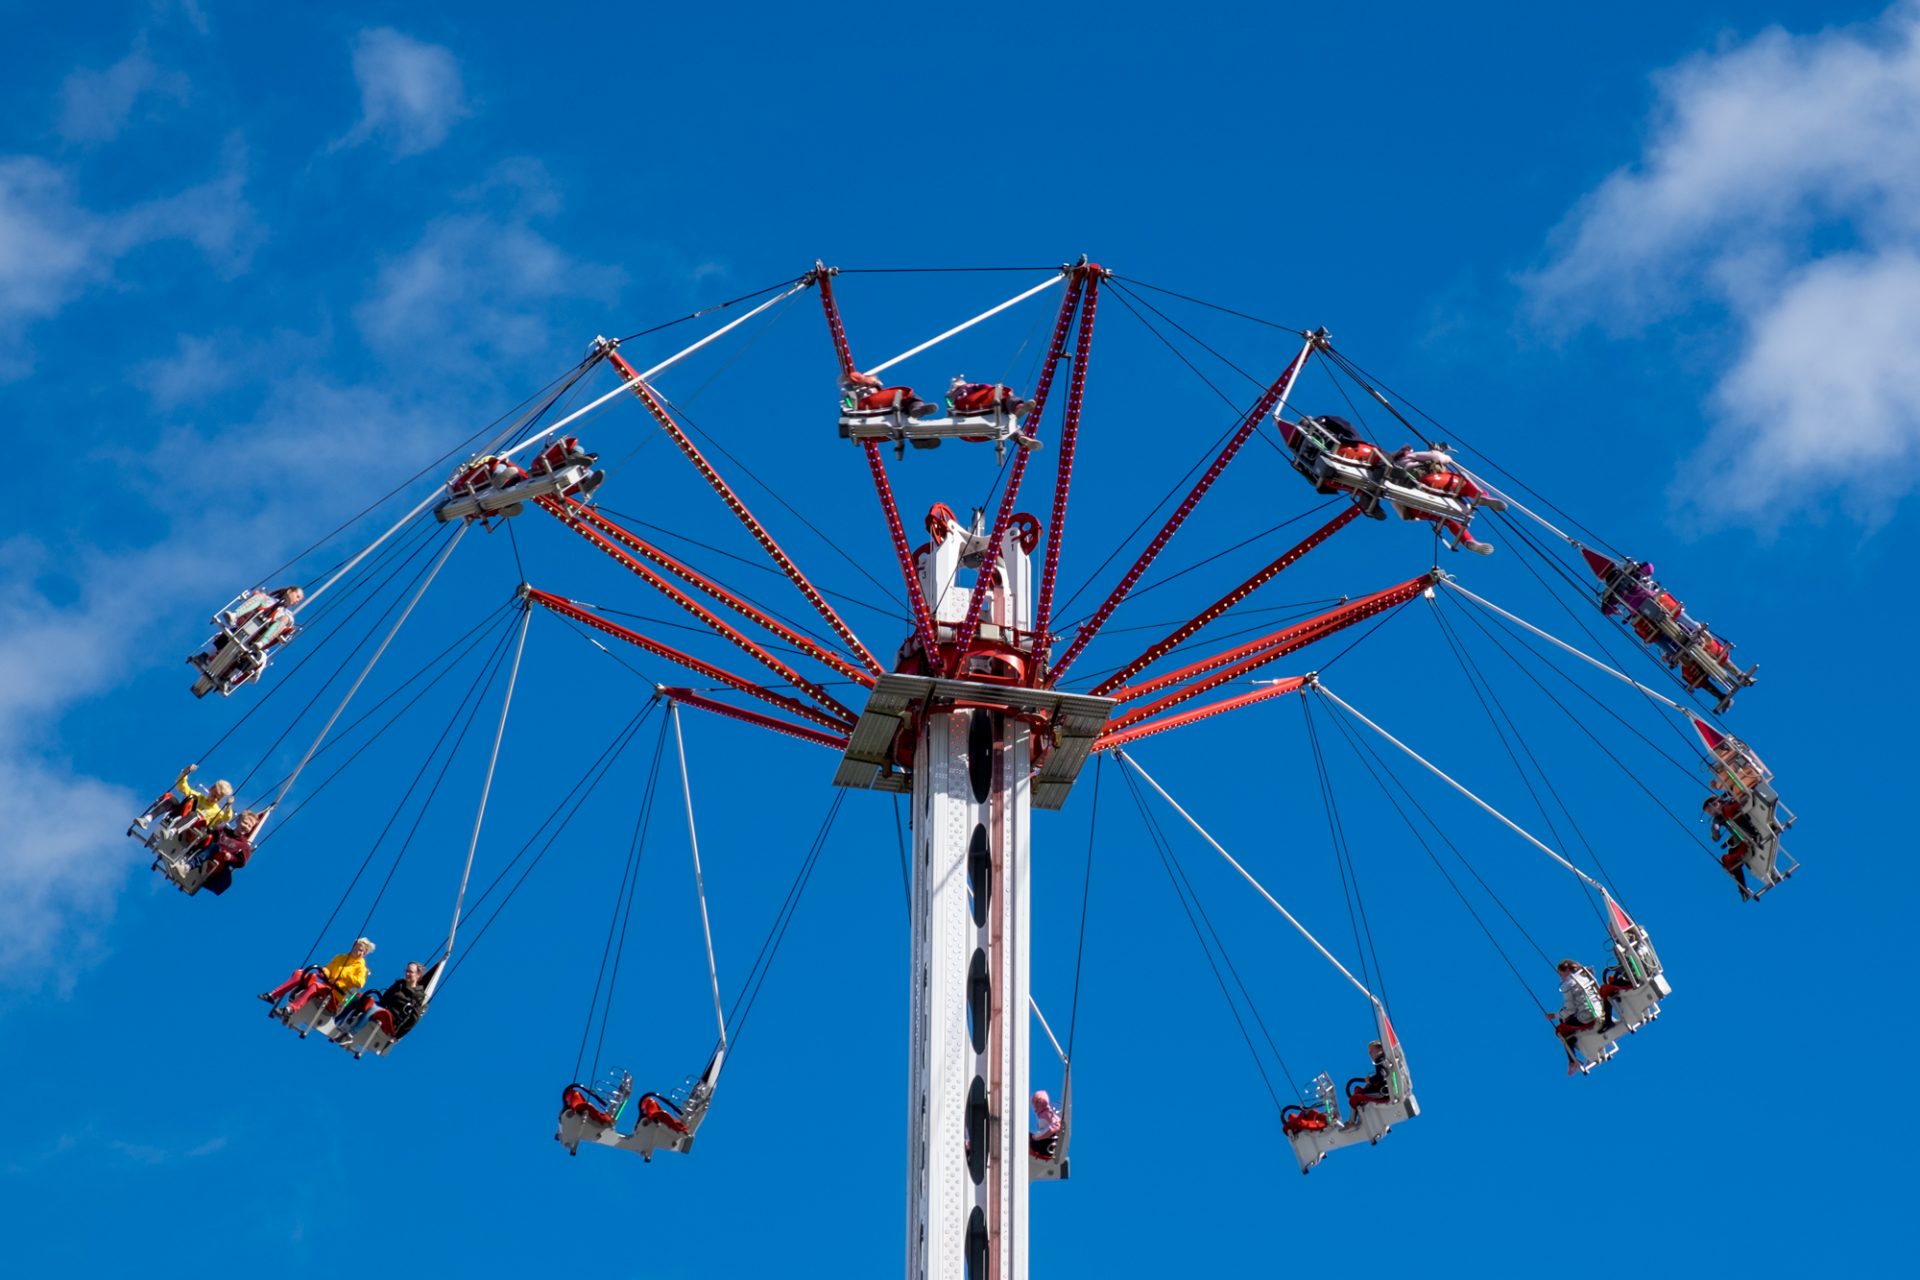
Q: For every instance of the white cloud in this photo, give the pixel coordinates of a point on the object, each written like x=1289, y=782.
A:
x=480, y=282
x=53, y=248
x=410, y=92
x=95, y=105
x=1777, y=183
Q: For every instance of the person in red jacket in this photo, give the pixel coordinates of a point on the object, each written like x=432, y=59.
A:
x=862, y=393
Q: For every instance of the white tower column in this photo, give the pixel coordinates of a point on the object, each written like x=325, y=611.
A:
x=966, y=1156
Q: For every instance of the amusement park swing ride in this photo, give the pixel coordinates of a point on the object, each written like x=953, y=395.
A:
x=983, y=713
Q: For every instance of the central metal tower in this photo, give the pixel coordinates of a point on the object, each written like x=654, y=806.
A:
x=967, y=1093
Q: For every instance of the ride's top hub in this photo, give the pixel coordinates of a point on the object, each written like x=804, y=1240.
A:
x=1065, y=726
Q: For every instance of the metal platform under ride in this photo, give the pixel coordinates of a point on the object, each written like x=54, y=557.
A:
x=1077, y=719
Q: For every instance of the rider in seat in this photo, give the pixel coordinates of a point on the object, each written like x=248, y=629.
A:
x=1433, y=469
x=395, y=1010
x=337, y=980
x=212, y=807
x=1375, y=1088
x=1581, y=1009
x=259, y=621
x=862, y=393
x=980, y=399
x=1044, y=1142
x=229, y=849
x=565, y=453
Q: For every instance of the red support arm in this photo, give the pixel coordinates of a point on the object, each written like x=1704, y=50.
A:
x=983, y=577
x=647, y=551
x=568, y=609
x=809, y=687
x=1120, y=739
x=1273, y=395
x=688, y=698
x=916, y=598
x=1187, y=630
x=823, y=276
x=739, y=509
x=1063, y=473
x=882, y=487
x=1246, y=658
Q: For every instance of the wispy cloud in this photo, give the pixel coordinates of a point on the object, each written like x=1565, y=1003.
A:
x=1776, y=184
x=95, y=105
x=480, y=282
x=53, y=248
x=410, y=92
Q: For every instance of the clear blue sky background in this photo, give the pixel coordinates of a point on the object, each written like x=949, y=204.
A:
x=257, y=266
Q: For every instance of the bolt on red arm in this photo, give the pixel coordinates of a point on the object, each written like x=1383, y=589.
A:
x=882, y=487
x=688, y=698
x=570, y=609
x=983, y=577
x=1272, y=396
x=1186, y=630
x=745, y=643
x=719, y=485
x=565, y=507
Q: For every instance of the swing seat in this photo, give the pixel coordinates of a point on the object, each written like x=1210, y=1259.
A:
x=578, y=1125
x=250, y=628
x=1639, y=983
x=493, y=486
x=174, y=842
x=314, y=1015
x=368, y=1037
x=1373, y=1120
x=1375, y=484
x=186, y=874
x=996, y=425
x=688, y=1105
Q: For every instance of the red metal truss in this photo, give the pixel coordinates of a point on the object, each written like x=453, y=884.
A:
x=1077, y=283
x=1270, y=397
x=1063, y=472
x=687, y=697
x=1187, y=630
x=916, y=598
x=568, y=609
x=734, y=504
x=1243, y=659
x=823, y=277
x=745, y=643
x=882, y=487
x=647, y=551
x=1120, y=739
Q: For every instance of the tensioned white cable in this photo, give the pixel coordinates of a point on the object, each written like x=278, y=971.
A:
x=668, y=363
x=1529, y=513
x=699, y=885
x=573, y=417
x=368, y=550
x=1441, y=774
x=1554, y=640
x=1246, y=875
x=367, y=670
x=1035, y=1006
x=486, y=788
x=962, y=327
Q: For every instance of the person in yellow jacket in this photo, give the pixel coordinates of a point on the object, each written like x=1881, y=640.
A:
x=337, y=979
x=214, y=805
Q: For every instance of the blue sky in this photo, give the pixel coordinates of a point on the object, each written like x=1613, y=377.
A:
x=258, y=265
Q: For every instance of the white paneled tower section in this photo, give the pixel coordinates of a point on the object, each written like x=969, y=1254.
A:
x=966, y=1153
